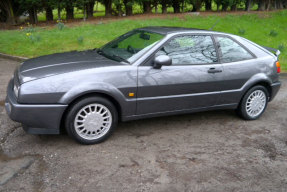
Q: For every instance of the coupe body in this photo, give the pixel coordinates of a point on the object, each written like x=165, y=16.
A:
x=147, y=72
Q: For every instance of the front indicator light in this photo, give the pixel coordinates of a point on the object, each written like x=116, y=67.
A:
x=8, y=107
x=16, y=91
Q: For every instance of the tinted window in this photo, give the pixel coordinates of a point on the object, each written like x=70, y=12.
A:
x=232, y=51
x=190, y=50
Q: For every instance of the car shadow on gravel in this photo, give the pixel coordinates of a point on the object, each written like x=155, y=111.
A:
x=149, y=126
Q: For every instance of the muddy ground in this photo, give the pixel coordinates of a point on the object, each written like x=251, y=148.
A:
x=209, y=151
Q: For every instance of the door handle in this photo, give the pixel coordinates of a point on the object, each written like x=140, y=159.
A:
x=213, y=70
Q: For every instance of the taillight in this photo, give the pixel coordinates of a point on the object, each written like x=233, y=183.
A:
x=278, y=67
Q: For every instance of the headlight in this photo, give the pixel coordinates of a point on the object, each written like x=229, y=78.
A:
x=16, y=90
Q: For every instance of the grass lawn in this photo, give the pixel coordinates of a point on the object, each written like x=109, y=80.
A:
x=268, y=29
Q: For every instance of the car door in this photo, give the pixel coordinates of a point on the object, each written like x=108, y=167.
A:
x=192, y=81
x=237, y=62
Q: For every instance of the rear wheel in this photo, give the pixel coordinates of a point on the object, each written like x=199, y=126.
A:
x=91, y=120
x=253, y=103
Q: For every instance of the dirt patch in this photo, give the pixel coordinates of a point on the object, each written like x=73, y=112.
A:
x=270, y=150
x=2, y=103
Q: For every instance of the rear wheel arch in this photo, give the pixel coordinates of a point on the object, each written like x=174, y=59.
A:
x=255, y=100
x=264, y=83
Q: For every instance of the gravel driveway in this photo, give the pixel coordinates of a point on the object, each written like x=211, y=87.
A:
x=210, y=151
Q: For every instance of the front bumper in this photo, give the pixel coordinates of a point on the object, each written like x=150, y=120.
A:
x=36, y=119
x=274, y=89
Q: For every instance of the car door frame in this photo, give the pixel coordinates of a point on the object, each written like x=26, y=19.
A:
x=149, y=59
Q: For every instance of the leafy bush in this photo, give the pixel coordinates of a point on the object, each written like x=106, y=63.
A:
x=29, y=28
x=241, y=31
x=34, y=38
x=60, y=25
x=80, y=40
x=281, y=47
x=273, y=33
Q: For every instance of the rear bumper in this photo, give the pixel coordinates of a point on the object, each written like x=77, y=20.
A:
x=36, y=119
x=274, y=89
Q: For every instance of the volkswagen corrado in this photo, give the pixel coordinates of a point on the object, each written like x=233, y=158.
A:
x=147, y=72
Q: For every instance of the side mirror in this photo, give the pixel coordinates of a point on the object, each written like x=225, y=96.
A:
x=161, y=60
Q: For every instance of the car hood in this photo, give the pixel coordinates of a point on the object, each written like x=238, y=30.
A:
x=59, y=63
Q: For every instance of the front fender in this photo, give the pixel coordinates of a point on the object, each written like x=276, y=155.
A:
x=128, y=106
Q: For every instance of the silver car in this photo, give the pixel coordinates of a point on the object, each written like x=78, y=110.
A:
x=147, y=72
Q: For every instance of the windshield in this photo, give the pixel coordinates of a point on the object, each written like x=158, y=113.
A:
x=130, y=46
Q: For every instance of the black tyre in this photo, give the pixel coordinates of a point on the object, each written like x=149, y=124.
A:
x=253, y=103
x=91, y=120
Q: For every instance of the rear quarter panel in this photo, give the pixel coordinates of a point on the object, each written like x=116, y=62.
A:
x=242, y=75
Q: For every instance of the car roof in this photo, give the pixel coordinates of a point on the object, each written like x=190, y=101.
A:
x=168, y=30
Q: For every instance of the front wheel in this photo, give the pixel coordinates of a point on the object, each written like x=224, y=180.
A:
x=253, y=103
x=91, y=120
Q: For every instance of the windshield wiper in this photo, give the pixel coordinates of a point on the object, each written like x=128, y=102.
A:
x=101, y=52
x=120, y=58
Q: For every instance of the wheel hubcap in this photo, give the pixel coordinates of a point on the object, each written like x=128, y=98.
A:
x=255, y=103
x=93, y=121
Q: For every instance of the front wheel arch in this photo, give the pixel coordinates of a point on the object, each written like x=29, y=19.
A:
x=91, y=94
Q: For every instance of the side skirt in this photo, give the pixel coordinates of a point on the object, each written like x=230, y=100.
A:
x=177, y=112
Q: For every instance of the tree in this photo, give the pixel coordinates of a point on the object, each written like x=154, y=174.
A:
x=196, y=5
x=108, y=7
x=8, y=11
x=90, y=8
x=208, y=5
x=176, y=6
x=248, y=5
x=32, y=7
x=146, y=6
x=128, y=6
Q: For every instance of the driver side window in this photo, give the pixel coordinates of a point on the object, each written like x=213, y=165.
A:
x=190, y=49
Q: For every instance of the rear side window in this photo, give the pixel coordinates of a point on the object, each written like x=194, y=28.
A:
x=232, y=51
x=189, y=50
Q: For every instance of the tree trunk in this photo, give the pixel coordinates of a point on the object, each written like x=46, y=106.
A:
x=128, y=7
x=268, y=5
x=248, y=5
x=69, y=12
x=164, y=8
x=224, y=6
x=233, y=7
x=196, y=6
x=49, y=14
x=182, y=6
x=208, y=5
x=119, y=9
x=108, y=7
x=261, y=5
x=7, y=6
x=59, y=12
x=32, y=15
x=279, y=4
x=176, y=6
x=90, y=8
x=85, y=12
x=147, y=6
